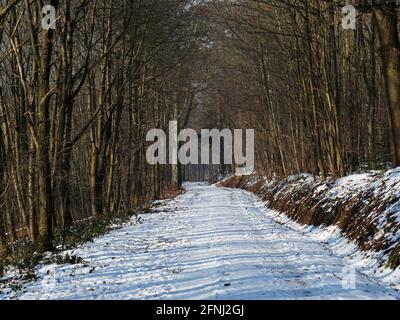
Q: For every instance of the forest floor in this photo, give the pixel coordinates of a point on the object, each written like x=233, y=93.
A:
x=208, y=243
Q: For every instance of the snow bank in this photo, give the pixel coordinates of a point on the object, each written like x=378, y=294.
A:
x=364, y=208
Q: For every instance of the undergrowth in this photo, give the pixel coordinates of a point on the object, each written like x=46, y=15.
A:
x=23, y=256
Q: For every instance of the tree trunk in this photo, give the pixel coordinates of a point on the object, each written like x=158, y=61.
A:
x=46, y=201
x=387, y=20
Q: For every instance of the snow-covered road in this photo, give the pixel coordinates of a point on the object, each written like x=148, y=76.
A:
x=209, y=243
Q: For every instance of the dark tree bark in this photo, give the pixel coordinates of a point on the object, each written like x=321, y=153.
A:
x=387, y=21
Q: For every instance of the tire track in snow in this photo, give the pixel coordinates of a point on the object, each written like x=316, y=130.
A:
x=208, y=243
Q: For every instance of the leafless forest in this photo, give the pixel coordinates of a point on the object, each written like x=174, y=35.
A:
x=77, y=101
